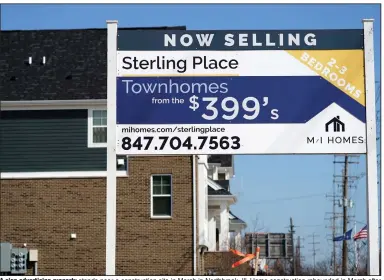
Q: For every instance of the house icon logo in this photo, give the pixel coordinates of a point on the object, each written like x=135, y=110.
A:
x=338, y=125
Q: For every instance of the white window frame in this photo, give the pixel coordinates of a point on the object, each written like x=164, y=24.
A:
x=161, y=195
x=90, y=129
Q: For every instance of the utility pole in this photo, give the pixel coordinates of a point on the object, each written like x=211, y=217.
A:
x=334, y=233
x=292, y=231
x=314, y=250
x=298, y=256
x=344, y=181
x=345, y=217
x=334, y=216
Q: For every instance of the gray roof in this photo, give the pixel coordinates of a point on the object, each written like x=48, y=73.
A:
x=224, y=160
x=236, y=220
x=211, y=191
x=223, y=183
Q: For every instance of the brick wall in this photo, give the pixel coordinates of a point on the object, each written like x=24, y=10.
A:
x=43, y=213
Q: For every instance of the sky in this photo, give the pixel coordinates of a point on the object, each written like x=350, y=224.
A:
x=270, y=189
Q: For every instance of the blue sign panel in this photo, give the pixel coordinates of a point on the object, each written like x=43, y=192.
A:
x=227, y=100
x=232, y=40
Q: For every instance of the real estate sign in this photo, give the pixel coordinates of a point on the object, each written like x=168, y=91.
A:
x=240, y=92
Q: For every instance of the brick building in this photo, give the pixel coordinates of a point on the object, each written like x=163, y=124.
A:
x=53, y=169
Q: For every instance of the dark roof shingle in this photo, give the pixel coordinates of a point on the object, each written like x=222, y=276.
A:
x=224, y=160
x=76, y=64
x=223, y=183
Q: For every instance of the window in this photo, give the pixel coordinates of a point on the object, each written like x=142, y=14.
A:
x=221, y=176
x=97, y=128
x=161, y=196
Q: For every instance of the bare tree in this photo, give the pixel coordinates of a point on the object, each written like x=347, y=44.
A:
x=257, y=224
x=281, y=267
x=357, y=264
x=323, y=268
x=362, y=268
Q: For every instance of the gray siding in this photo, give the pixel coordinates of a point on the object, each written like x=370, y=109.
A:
x=43, y=141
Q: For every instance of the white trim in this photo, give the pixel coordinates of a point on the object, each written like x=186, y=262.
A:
x=161, y=195
x=161, y=217
x=52, y=104
x=224, y=227
x=236, y=227
x=203, y=160
x=90, y=129
x=214, y=185
x=59, y=175
x=228, y=171
x=202, y=199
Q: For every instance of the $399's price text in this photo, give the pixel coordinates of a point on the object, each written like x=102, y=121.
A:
x=231, y=107
x=176, y=143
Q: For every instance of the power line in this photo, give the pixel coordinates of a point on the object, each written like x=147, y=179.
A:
x=310, y=226
x=288, y=198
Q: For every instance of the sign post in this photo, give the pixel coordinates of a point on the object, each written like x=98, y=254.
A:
x=372, y=186
x=110, y=259
x=176, y=92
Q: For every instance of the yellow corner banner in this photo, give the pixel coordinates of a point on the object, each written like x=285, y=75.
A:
x=342, y=68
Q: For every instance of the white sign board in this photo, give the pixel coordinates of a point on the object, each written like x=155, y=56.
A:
x=257, y=99
x=241, y=92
